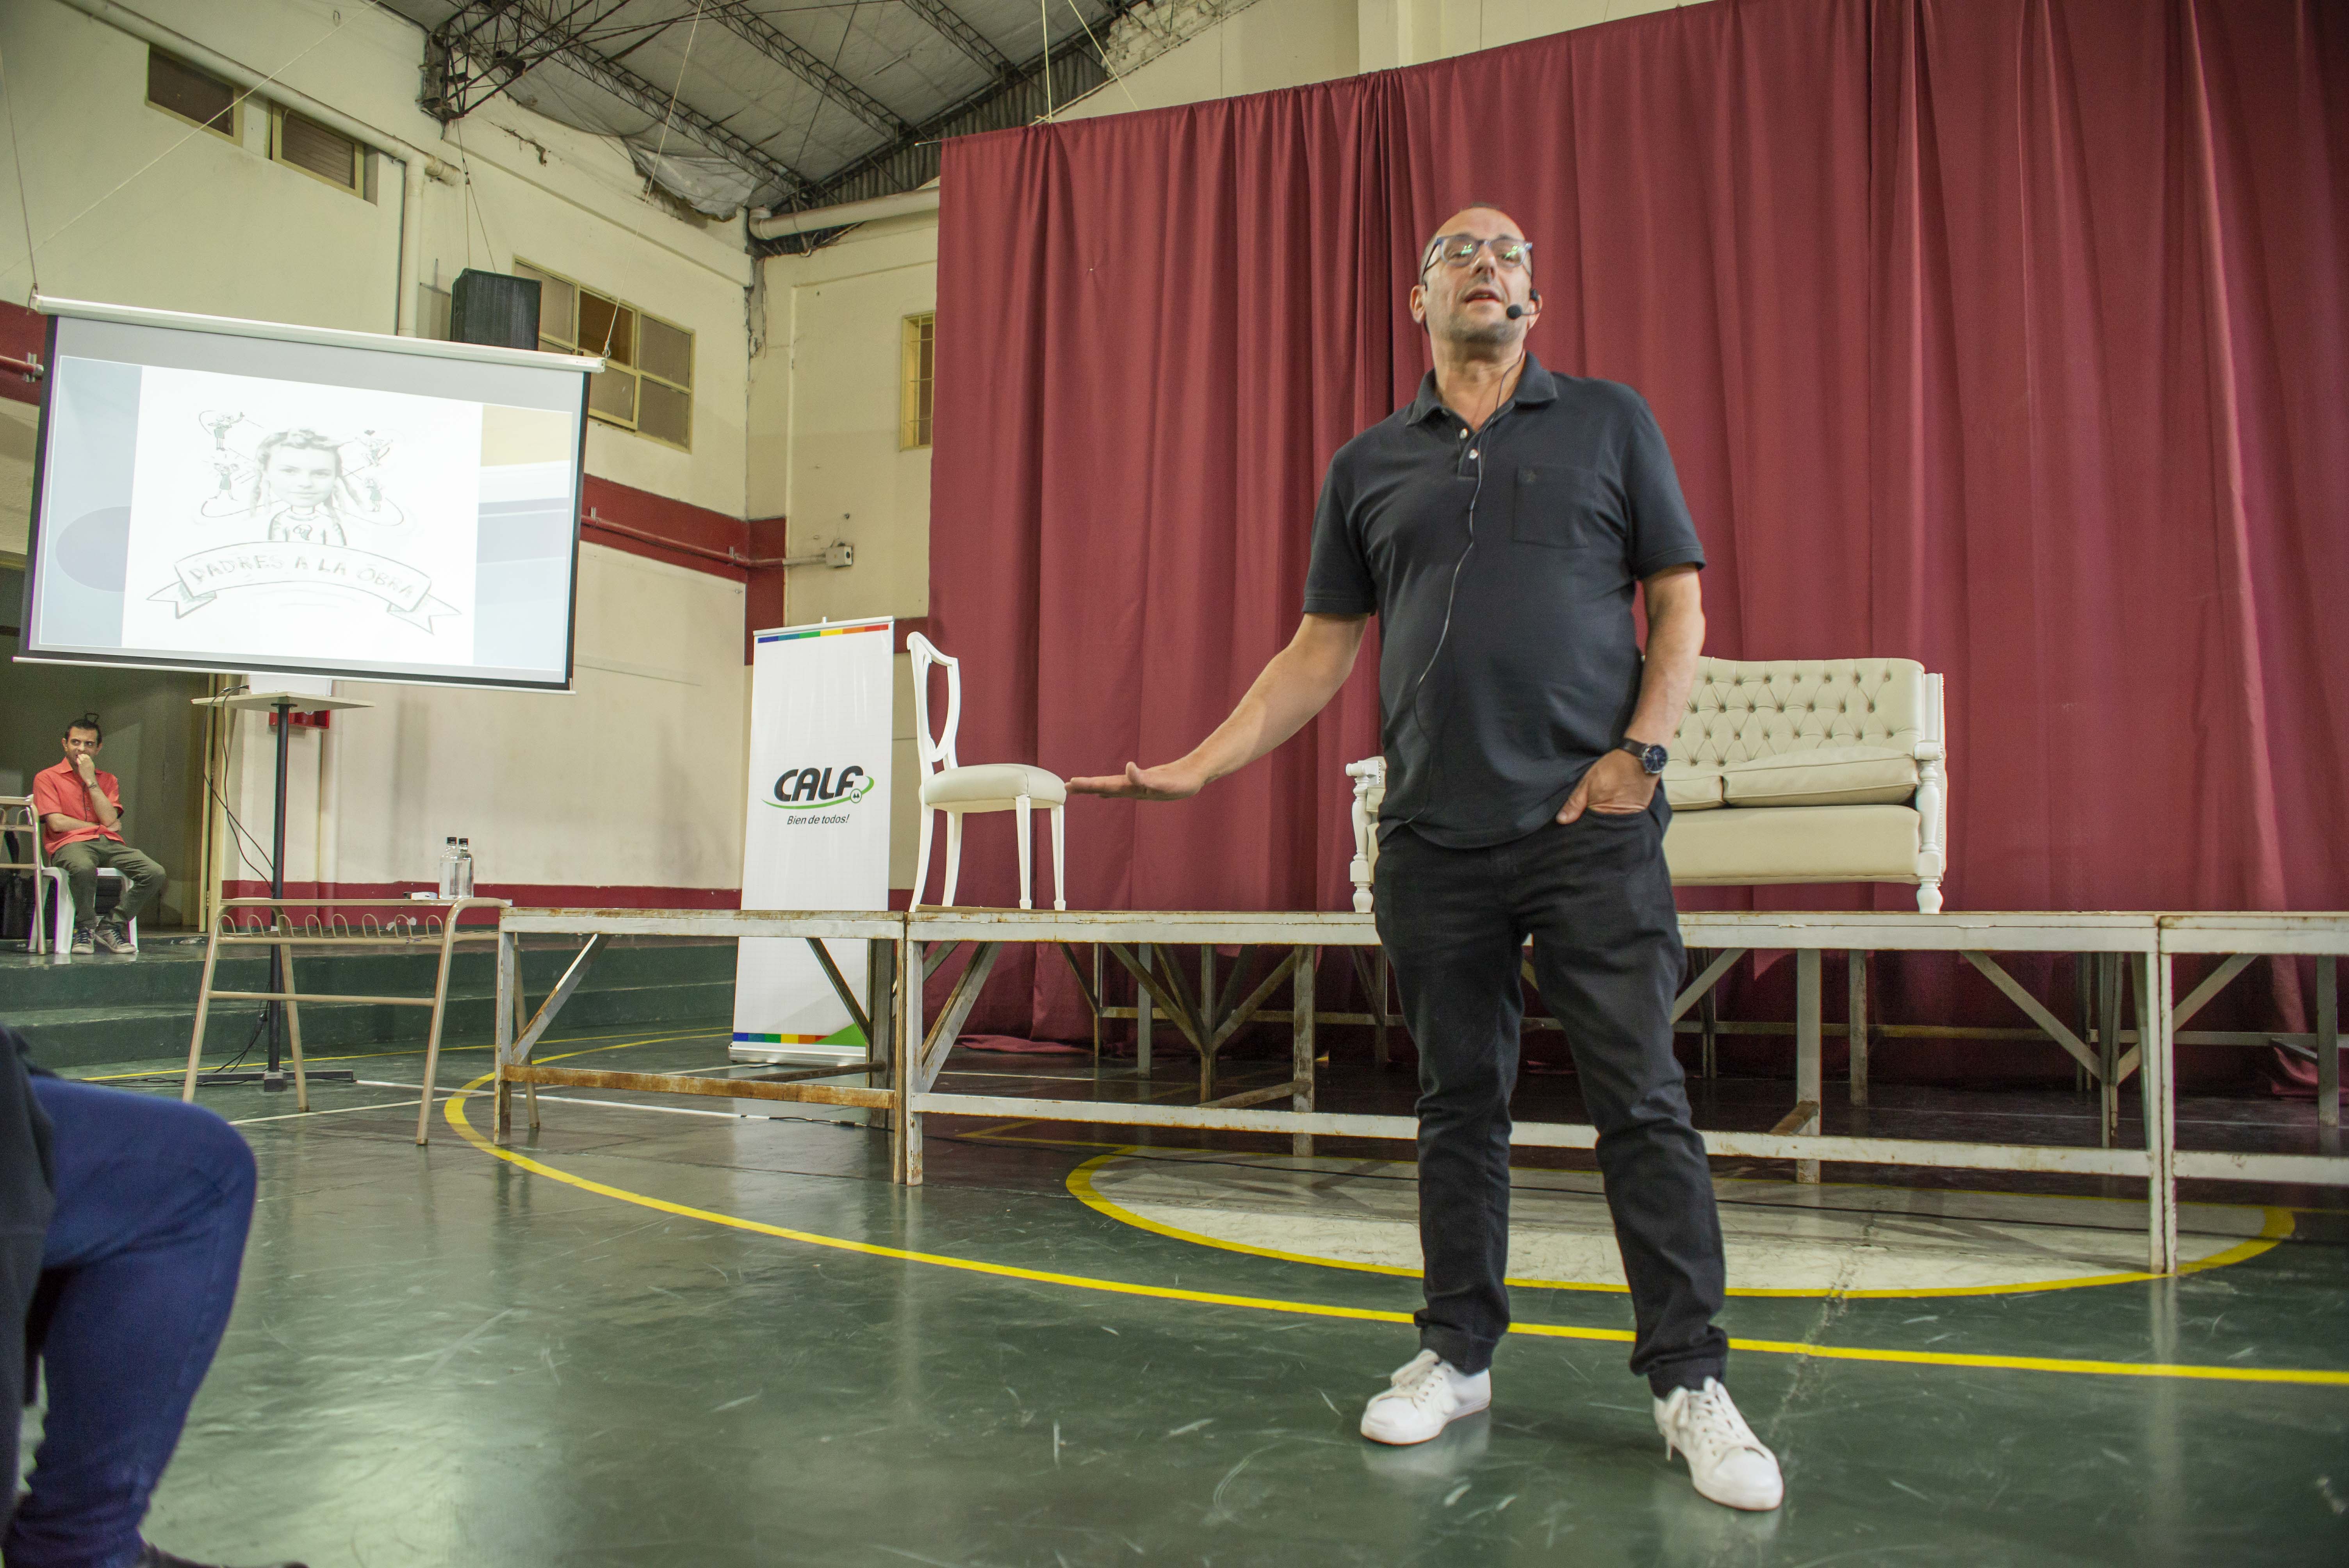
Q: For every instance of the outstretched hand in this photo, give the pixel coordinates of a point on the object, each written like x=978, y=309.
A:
x=1169, y=782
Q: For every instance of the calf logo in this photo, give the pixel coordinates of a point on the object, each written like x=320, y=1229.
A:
x=802, y=788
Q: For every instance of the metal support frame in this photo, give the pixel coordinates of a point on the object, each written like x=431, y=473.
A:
x=915, y=1055
x=282, y=939
x=2242, y=938
x=884, y=1066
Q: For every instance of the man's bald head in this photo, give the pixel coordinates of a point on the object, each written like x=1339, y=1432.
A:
x=1485, y=219
x=1466, y=302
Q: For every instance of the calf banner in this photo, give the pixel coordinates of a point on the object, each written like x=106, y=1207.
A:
x=816, y=835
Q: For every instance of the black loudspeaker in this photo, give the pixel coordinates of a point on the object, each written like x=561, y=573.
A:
x=493, y=307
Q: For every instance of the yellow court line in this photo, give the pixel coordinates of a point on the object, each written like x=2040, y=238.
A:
x=2276, y=1224
x=454, y=1109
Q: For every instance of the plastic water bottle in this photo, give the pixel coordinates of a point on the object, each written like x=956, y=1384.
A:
x=449, y=869
x=464, y=868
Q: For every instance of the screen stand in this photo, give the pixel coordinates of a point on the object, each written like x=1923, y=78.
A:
x=273, y=1078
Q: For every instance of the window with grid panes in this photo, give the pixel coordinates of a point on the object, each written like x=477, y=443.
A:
x=920, y=350
x=647, y=385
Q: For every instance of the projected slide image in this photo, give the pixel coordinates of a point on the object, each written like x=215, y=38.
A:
x=267, y=515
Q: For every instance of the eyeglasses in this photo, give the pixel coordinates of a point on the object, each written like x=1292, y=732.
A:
x=1457, y=251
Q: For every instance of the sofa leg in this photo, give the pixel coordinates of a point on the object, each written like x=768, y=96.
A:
x=1928, y=896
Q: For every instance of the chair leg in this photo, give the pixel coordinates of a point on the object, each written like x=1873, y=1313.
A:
x=922, y=860
x=1019, y=811
x=1060, y=861
x=954, y=857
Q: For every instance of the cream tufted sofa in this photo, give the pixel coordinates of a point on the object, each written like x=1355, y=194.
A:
x=1810, y=770
x=1785, y=771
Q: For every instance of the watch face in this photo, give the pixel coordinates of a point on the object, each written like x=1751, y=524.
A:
x=1654, y=757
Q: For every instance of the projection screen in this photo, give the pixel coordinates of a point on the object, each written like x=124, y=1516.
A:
x=214, y=494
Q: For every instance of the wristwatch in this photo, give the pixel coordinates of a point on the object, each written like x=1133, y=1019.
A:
x=1652, y=758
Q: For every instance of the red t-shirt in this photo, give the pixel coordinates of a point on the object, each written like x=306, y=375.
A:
x=60, y=789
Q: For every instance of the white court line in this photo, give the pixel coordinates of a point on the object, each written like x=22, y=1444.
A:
x=338, y=1111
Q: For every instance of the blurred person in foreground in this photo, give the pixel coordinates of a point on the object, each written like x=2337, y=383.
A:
x=123, y=1223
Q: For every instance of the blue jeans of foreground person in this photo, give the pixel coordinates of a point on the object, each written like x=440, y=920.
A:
x=1597, y=899
x=139, y=1269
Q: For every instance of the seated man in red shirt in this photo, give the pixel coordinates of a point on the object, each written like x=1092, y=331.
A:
x=81, y=816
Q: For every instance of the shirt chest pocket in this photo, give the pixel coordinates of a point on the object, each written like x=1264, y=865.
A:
x=1562, y=508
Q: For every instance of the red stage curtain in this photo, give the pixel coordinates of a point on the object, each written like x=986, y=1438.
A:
x=2011, y=336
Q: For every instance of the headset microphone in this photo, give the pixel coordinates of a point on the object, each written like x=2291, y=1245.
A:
x=1514, y=311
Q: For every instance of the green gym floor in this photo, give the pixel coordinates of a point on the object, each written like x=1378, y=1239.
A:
x=680, y=1336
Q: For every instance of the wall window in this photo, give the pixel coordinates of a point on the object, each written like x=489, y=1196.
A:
x=300, y=142
x=198, y=96
x=920, y=351
x=647, y=385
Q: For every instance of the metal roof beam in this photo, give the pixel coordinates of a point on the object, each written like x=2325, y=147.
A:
x=486, y=47
x=947, y=21
x=755, y=31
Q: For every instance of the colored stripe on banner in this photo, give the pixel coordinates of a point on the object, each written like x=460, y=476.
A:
x=822, y=632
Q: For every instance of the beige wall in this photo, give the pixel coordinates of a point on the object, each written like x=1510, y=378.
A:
x=133, y=205
x=824, y=411
x=633, y=778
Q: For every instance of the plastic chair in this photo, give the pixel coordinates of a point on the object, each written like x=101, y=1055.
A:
x=61, y=902
x=949, y=786
x=17, y=815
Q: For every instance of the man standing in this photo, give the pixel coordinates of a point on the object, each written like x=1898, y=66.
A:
x=81, y=814
x=1498, y=526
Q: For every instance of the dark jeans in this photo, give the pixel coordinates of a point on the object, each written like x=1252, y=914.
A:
x=81, y=861
x=137, y=1273
x=1598, y=902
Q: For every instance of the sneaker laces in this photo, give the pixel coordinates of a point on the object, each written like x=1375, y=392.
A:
x=1709, y=1417
x=1420, y=1379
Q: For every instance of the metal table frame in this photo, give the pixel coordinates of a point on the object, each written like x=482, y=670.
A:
x=874, y=1012
x=283, y=939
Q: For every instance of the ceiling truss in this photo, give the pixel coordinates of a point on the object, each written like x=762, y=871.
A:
x=482, y=49
x=485, y=46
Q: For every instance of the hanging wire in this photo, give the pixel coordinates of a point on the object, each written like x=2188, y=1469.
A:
x=1044, y=25
x=1114, y=74
x=17, y=150
x=191, y=134
x=690, y=33
x=472, y=199
x=799, y=157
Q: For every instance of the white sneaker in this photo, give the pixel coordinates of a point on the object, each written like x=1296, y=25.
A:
x=1426, y=1395
x=1725, y=1459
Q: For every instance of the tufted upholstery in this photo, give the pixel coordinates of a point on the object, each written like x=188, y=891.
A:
x=1786, y=770
x=1830, y=770
x=1739, y=710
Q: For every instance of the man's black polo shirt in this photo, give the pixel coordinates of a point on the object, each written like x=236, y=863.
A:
x=1539, y=672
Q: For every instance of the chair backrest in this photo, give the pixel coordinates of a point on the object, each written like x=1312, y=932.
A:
x=18, y=816
x=1739, y=710
x=939, y=752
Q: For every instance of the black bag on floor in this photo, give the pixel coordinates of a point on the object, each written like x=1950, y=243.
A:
x=18, y=892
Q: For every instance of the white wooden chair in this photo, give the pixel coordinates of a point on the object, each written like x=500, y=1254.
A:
x=949, y=786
